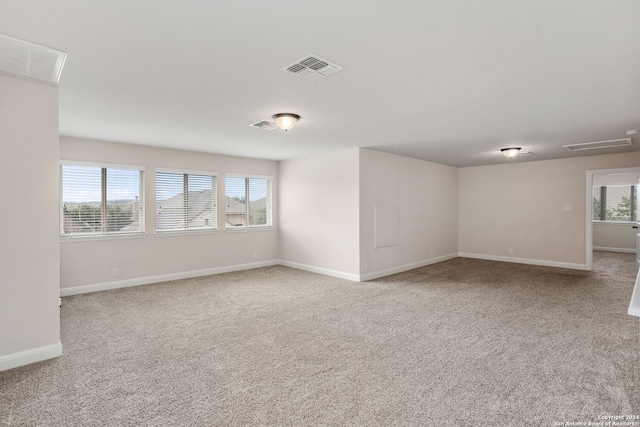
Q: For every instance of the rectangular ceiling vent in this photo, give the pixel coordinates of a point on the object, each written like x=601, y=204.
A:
x=264, y=124
x=30, y=60
x=312, y=68
x=598, y=144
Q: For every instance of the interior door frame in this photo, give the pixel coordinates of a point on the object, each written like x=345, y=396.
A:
x=588, y=256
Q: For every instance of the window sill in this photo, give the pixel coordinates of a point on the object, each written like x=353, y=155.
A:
x=614, y=222
x=80, y=238
x=185, y=232
x=246, y=229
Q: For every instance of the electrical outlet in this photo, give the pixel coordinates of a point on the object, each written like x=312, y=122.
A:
x=366, y=266
x=255, y=255
x=431, y=252
x=510, y=251
x=115, y=272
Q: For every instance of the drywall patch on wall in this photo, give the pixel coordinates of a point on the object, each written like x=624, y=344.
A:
x=386, y=226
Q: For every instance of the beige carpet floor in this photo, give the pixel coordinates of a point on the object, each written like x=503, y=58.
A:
x=460, y=343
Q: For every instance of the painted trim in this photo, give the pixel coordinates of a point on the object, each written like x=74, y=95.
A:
x=620, y=250
x=402, y=268
x=62, y=162
x=161, y=278
x=588, y=234
x=634, y=305
x=305, y=267
x=93, y=237
x=320, y=270
x=529, y=261
x=32, y=355
x=624, y=223
x=186, y=172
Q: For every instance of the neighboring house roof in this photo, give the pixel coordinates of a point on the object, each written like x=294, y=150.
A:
x=133, y=227
x=235, y=207
x=71, y=224
x=236, y=211
x=169, y=212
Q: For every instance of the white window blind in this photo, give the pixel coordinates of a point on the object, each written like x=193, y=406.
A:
x=248, y=201
x=185, y=201
x=100, y=200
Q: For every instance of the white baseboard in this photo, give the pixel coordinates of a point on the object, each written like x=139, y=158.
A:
x=621, y=250
x=325, y=271
x=32, y=355
x=402, y=268
x=544, y=263
x=161, y=278
x=320, y=270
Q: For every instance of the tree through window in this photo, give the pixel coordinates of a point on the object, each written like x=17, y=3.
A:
x=100, y=200
x=248, y=201
x=615, y=203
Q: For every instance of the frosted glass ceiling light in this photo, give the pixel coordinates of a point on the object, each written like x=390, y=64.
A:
x=286, y=121
x=511, y=152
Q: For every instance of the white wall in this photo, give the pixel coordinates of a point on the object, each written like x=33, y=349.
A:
x=425, y=196
x=616, y=179
x=319, y=220
x=521, y=206
x=29, y=258
x=615, y=237
x=91, y=262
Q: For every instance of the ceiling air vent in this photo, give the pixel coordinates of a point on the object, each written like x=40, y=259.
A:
x=599, y=144
x=264, y=124
x=312, y=68
x=30, y=60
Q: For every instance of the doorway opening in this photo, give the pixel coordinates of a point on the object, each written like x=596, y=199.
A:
x=611, y=212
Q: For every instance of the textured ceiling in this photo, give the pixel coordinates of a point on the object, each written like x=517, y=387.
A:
x=446, y=81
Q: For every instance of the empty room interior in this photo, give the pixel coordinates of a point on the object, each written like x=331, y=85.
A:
x=320, y=213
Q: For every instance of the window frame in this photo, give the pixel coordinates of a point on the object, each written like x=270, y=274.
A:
x=269, y=203
x=186, y=231
x=633, y=199
x=102, y=235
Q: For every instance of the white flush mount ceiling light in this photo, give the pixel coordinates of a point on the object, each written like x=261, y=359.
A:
x=30, y=60
x=286, y=121
x=510, y=152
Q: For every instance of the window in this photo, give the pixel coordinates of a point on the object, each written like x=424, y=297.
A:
x=186, y=201
x=248, y=201
x=615, y=203
x=99, y=200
